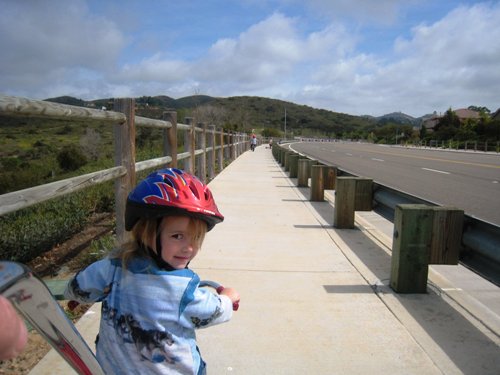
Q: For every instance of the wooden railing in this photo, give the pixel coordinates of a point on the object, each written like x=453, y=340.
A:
x=205, y=150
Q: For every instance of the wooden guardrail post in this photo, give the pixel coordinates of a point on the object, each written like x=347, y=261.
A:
x=411, y=248
x=330, y=177
x=283, y=157
x=170, y=137
x=303, y=178
x=288, y=155
x=423, y=235
x=447, y=231
x=351, y=194
x=302, y=173
x=124, y=156
x=317, y=183
x=293, y=161
x=345, y=198
x=364, y=194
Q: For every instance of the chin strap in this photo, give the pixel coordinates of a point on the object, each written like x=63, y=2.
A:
x=159, y=260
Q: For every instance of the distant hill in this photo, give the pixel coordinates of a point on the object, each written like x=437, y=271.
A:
x=67, y=100
x=244, y=113
x=395, y=118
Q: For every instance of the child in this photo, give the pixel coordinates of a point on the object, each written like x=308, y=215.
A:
x=151, y=300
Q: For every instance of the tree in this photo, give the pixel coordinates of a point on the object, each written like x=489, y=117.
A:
x=448, y=126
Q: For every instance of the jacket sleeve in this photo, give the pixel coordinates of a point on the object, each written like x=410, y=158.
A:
x=206, y=309
x=91, y=284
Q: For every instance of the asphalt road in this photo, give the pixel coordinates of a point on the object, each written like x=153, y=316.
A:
x=466, y=180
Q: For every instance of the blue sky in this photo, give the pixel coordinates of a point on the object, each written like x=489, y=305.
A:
x=352, y=56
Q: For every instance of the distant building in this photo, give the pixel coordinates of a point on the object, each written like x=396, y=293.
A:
x=463, y=114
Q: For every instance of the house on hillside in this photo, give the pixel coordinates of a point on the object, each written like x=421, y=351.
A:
x=463, y=114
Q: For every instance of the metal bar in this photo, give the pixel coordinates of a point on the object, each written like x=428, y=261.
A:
x=33, y=300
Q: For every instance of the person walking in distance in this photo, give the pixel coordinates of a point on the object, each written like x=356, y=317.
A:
x=253, y=142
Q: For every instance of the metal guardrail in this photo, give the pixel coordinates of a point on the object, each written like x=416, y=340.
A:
x=480, y=239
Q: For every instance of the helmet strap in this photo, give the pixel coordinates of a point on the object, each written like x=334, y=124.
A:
x=156, y=255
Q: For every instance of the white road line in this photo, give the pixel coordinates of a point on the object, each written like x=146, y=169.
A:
x=375, y=159
x=348, y=154
x=435, y=170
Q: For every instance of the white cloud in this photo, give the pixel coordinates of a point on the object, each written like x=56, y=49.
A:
x=44, y=41
x=265, y=51
x=287, y=55
x=453, y=62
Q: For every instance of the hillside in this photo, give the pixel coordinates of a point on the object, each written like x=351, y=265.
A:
x=243, y=113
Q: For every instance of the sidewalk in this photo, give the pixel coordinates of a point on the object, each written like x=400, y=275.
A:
x=315, y=300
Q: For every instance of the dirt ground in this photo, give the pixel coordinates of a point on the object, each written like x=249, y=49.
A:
x=61, y=262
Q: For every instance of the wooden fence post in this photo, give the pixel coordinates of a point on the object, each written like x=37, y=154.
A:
x=124, y=156
x=345, y=198
x=227, y=149
x=188, y=162
x=211, y=153
x=170, y=137
x=411, y=248
x=221, y=150
x=201, y=160
x=232, y=148
x=317, y=184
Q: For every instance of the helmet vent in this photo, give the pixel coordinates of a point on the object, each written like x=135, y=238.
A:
x=169, y=182
x=194, y=191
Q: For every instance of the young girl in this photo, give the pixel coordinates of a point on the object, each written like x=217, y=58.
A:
x=151, y=301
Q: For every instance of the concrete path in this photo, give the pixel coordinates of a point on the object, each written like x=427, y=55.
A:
x=315, y=300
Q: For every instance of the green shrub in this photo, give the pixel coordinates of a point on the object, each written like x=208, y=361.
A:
x=71, y=157
x=29, y=233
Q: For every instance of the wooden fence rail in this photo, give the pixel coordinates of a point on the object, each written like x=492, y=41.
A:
x=204, y=148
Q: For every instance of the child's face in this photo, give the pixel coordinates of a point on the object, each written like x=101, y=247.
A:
x=177, y=244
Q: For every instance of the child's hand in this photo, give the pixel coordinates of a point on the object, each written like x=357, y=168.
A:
x=233, y=295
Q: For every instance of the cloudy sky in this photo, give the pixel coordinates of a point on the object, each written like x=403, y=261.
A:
x=353, y=56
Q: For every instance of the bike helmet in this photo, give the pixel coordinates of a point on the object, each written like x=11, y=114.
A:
x=171, y=191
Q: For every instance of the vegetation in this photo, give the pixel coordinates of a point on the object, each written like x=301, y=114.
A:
x=451, y=128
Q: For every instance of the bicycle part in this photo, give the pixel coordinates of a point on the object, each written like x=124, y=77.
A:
x=32, y=299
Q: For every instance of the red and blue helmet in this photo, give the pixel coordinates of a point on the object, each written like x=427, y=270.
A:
x=169, y=192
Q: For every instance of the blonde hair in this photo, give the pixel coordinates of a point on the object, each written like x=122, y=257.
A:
x=144, y=235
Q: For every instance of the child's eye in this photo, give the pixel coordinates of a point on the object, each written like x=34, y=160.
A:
x=178, y=236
